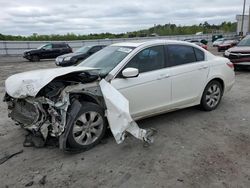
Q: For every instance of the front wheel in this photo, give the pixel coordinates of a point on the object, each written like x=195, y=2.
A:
x=211, y=96
x=89, y=127
x=35, y=58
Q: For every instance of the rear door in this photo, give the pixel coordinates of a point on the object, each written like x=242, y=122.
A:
x=189, y=72
x=150, y=91
x=57, y=49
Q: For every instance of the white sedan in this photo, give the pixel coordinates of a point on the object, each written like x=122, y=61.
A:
x=155, y=76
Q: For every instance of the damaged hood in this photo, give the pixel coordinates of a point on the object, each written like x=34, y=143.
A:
x=30, y=83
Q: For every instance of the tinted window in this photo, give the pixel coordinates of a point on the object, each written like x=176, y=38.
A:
x=59, y=45
x=179, y=54
x=47, y=47
x=149, y=59
x=200, y=56
x=95, y=49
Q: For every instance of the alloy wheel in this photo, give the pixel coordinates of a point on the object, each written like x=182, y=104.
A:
x=88, y=128
x=213, y=95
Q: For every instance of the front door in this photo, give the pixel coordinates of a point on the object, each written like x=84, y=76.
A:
x=150, y=92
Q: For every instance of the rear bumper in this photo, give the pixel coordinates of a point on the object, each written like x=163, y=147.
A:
x=223, y=47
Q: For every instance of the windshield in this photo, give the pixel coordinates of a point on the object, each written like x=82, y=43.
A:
x=83, y=49
x=245, y=42
x=107, y=58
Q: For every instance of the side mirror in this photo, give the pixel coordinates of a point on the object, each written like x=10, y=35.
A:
x=130, y=72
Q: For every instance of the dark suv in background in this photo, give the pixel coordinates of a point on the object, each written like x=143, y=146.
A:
x=79, y=55
x=47, y=51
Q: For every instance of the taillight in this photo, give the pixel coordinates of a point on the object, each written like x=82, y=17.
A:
x=231, y=65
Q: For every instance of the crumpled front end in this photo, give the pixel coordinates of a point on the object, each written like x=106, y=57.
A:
x=43, y=114
x=46, y=114
x=52, y=111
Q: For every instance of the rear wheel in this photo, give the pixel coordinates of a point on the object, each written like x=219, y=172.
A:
x=212, y=95
x=89, y=127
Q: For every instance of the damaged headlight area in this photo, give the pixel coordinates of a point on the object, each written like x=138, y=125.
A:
x=77, y=108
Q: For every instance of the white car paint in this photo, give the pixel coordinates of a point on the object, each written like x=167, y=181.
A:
x=172, y=88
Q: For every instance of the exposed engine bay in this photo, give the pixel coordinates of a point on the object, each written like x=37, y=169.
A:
x=54, y=108
x=47, y=112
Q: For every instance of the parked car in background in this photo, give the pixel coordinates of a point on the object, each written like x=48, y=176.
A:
x=155, y=77
x=47, y=51
x=218, y=42
x=240, y=54
x=226, y=44
x=79, y=55
x=197, y=42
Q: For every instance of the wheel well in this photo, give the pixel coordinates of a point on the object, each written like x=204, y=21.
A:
x=81, y=97
x=220, y=81
x=87, y=98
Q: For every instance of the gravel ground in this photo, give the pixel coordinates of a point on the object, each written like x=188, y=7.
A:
x=192, y=148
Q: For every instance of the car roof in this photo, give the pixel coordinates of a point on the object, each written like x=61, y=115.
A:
x=150, y=42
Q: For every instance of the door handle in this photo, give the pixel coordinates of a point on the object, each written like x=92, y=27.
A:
x=203, y=67
x=163, y=76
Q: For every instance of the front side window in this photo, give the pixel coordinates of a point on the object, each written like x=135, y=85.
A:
x=148, y=59
x=83, y=49
x=47, y=47
x=180, y=54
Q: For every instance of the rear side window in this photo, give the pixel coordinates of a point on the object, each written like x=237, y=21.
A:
x=59, y=45
x=200, y=56
x=180, y=54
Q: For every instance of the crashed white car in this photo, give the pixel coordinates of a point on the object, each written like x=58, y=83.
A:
x=77, y=104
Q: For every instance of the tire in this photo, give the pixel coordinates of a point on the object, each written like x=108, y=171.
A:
x=86, y=132
x=35, y=58
x=237, y=68
x=211, y=96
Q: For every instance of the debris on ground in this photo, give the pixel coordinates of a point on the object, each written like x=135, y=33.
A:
x=43, y=180
x=29, y=184
x=6, y=157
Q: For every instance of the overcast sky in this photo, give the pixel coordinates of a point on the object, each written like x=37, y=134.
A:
x=24, y=17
